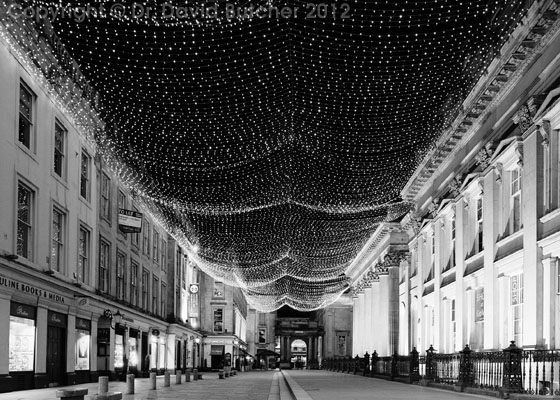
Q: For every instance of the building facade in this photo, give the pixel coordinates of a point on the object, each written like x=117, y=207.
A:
x=476, y=262
x=80, y=298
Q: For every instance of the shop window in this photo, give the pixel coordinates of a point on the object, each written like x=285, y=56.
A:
x=21, y=348
x=26, y=130
x=83, y=344
x=25, y=218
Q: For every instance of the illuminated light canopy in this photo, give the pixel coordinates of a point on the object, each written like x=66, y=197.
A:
x=272, y=147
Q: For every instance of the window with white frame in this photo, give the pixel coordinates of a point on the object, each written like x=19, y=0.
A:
x=104, y=262
x=145, y=288
x=146, y=238
x=120, y=275
x=83, y=255
x=515, y=192
x=163, y=306
x=516, y=289
x=26, y=130
x=155, y=295
x=25, y=219
x=133, y=283
x=155, y=243
x=106, y=197
x=85, y=176
x=60, y=134
x=479, y=245
x=57, y=240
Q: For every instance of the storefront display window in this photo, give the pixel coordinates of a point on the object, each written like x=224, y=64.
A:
x=83, y=340
x=22, y=344
x=133, y=352
x=119, y=351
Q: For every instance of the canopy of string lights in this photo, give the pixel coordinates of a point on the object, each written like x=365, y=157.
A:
x=272, y=137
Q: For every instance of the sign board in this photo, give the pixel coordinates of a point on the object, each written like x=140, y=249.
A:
x=130, y=221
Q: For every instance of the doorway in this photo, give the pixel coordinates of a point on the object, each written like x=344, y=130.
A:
x=56, y=355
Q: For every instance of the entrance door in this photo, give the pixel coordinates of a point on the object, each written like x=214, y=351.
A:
x=56, y=355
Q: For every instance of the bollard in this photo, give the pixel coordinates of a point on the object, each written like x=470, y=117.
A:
x=130, y=384
x=152, y=380
x=195, y=374
x=178, y=377
x=166, y=379
x=187, y=375
x=221, y=374
x=103, y=384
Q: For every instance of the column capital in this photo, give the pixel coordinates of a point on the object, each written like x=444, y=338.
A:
x=391, y=260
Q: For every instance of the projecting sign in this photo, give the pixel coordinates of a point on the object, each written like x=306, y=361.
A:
x=130, y=221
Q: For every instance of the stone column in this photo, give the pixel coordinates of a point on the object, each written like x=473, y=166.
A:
x=389, y=276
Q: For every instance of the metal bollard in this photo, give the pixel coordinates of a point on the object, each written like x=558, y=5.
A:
x=152, y=380
x=195, y=374
x=103, y=384
x=187, y=375
x=130, y=384
x=166, y=379
x=221, y=374
x=178, y=377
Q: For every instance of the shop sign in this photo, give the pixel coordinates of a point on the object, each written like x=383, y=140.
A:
x=31, y=290
x=130, y=221
x=84, y=324
x=22, y=311
x=56, y=319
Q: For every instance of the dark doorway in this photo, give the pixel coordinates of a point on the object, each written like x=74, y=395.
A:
x=145, y=359
x=178, y=354
x=56, y=355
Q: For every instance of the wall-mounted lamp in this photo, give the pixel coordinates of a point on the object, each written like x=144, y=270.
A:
x=197, y=340
x=116, y=318
x=235, y=342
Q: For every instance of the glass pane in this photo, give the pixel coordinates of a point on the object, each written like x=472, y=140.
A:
x=21, y=344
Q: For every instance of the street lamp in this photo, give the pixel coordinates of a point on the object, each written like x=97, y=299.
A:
x=116, y=318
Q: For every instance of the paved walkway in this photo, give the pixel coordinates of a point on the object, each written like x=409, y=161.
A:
x=254, y=385
x=265, y=385
x=325, y=385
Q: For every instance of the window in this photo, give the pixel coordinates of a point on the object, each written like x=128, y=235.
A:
x=59, y=149
x=25, y=222
x=515, y=200
x=83, y=256
x=516, y=285
x=105, y=197
x=57, y=240
x=136, y=236
x=121, y=273
x=85, y=179
x=218, y=319
x=121, y=204
x=155, y=294
x=479, y=226
x=262, y=335
x=26, y=116
x=145, y=289
x=104, y=262
x=219, y=289
x=146, y=237
x=163, y=306
x=163, y=251
x=133, y=283
x=452, y=252
x=155, y=243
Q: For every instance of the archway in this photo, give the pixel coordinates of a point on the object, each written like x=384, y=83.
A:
x=298, y=354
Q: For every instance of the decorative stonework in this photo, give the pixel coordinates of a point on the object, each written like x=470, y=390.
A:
x=483, y=157
x=455, y=186
x=544, y=129
x=433, y=207
x=519, y=152
x=499, y=172
x=524, y=116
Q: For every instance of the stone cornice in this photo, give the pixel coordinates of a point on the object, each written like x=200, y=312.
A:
x=527, y=42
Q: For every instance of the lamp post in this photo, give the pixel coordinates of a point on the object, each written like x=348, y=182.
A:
x=196, y=352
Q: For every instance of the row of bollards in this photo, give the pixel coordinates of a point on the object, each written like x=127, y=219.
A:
x=226, y=372
x=153, y=377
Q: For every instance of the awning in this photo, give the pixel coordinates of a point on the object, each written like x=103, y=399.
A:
x=216, y=350
x=266, y=352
